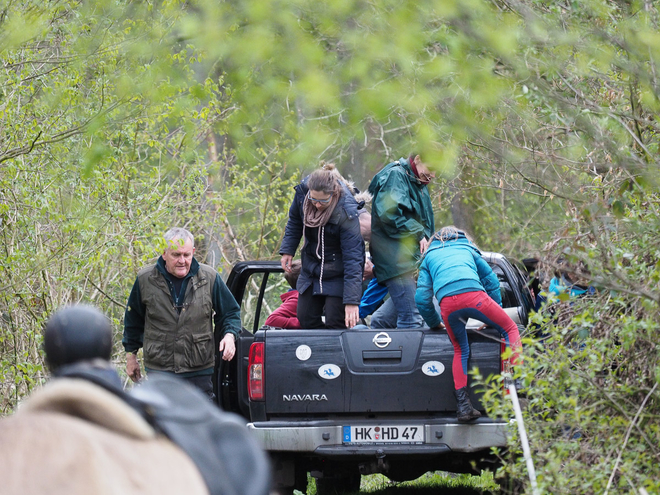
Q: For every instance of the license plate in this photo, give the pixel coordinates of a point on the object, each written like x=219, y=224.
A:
x=383, y=434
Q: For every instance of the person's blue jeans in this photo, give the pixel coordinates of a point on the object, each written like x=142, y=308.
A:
x=384, y=316
x=402, y=296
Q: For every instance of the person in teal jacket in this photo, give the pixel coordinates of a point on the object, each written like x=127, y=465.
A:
x=563, y=284
x=466, y=287
x=401, y=226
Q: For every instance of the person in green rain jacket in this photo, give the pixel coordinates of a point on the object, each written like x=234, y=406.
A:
x=401, y=226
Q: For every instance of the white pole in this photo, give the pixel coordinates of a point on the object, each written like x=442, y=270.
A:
x=523, y=436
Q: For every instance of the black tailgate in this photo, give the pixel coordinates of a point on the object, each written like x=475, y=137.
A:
x=366, y=371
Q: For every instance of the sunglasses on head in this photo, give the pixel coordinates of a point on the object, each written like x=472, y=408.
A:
x=322, y=201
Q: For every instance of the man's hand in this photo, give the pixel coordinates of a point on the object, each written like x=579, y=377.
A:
x=352, y=315
x=368, y=270
x=423, y=245
x=133, y=367
x=286, y=262
x=227, y=347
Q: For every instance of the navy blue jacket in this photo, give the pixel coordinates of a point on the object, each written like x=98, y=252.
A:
x=343, y=248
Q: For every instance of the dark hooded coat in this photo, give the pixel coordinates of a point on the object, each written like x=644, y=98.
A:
x=332, y=256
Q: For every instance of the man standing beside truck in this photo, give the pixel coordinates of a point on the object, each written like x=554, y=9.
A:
x=171, y=312
x=401, y=226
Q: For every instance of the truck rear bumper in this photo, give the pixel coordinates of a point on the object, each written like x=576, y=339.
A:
x=325, y=438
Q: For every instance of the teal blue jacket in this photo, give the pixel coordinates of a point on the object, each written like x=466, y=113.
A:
x=401, y=216
x=563, y=286
x=449, y=268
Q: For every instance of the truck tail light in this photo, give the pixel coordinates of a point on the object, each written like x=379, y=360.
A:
x=256, y=371
x=505, y=368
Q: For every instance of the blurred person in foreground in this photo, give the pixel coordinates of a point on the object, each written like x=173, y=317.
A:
x=81, y=433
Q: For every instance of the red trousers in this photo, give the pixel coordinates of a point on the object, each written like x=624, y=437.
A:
x=456, y=310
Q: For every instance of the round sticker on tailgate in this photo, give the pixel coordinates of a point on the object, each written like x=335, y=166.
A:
x=329, y=371
x=433, y=368
x=303, y=352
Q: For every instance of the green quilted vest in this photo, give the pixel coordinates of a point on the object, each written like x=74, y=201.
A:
x=173, y=341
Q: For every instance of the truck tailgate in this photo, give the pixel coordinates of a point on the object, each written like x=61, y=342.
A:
x=367, y=371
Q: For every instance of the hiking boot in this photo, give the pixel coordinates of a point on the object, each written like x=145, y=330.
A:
x=464, y=411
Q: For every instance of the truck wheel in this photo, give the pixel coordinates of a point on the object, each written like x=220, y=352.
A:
x=339, y=485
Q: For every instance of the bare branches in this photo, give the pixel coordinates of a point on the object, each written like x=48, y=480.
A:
x=627, y=437
x=56, y=138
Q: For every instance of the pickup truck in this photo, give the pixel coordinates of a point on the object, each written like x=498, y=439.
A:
x=342, y=403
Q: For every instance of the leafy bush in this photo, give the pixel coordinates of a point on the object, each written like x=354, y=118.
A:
x=591, y=374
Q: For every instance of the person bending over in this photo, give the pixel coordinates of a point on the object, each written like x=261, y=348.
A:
x=466, y=287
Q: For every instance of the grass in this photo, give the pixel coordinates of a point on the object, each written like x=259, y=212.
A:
x=428, y=484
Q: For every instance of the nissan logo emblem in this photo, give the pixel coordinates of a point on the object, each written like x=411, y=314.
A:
x=382, y=340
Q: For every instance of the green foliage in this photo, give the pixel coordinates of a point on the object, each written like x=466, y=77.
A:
x=120, y=120
x=430, y=483
x=390, y=74
x=592, y=379
x=106, y=130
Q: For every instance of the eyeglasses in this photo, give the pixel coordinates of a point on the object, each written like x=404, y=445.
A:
x=426, y=177
x=322, y=201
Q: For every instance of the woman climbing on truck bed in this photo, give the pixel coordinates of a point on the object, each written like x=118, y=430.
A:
x=466, y=287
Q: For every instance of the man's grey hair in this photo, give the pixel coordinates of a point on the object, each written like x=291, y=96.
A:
x=175, y=234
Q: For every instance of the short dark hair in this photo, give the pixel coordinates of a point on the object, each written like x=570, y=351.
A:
x=292, y=276
x=412, y=156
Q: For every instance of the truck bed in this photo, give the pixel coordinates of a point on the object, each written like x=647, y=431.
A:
x=344, y=372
